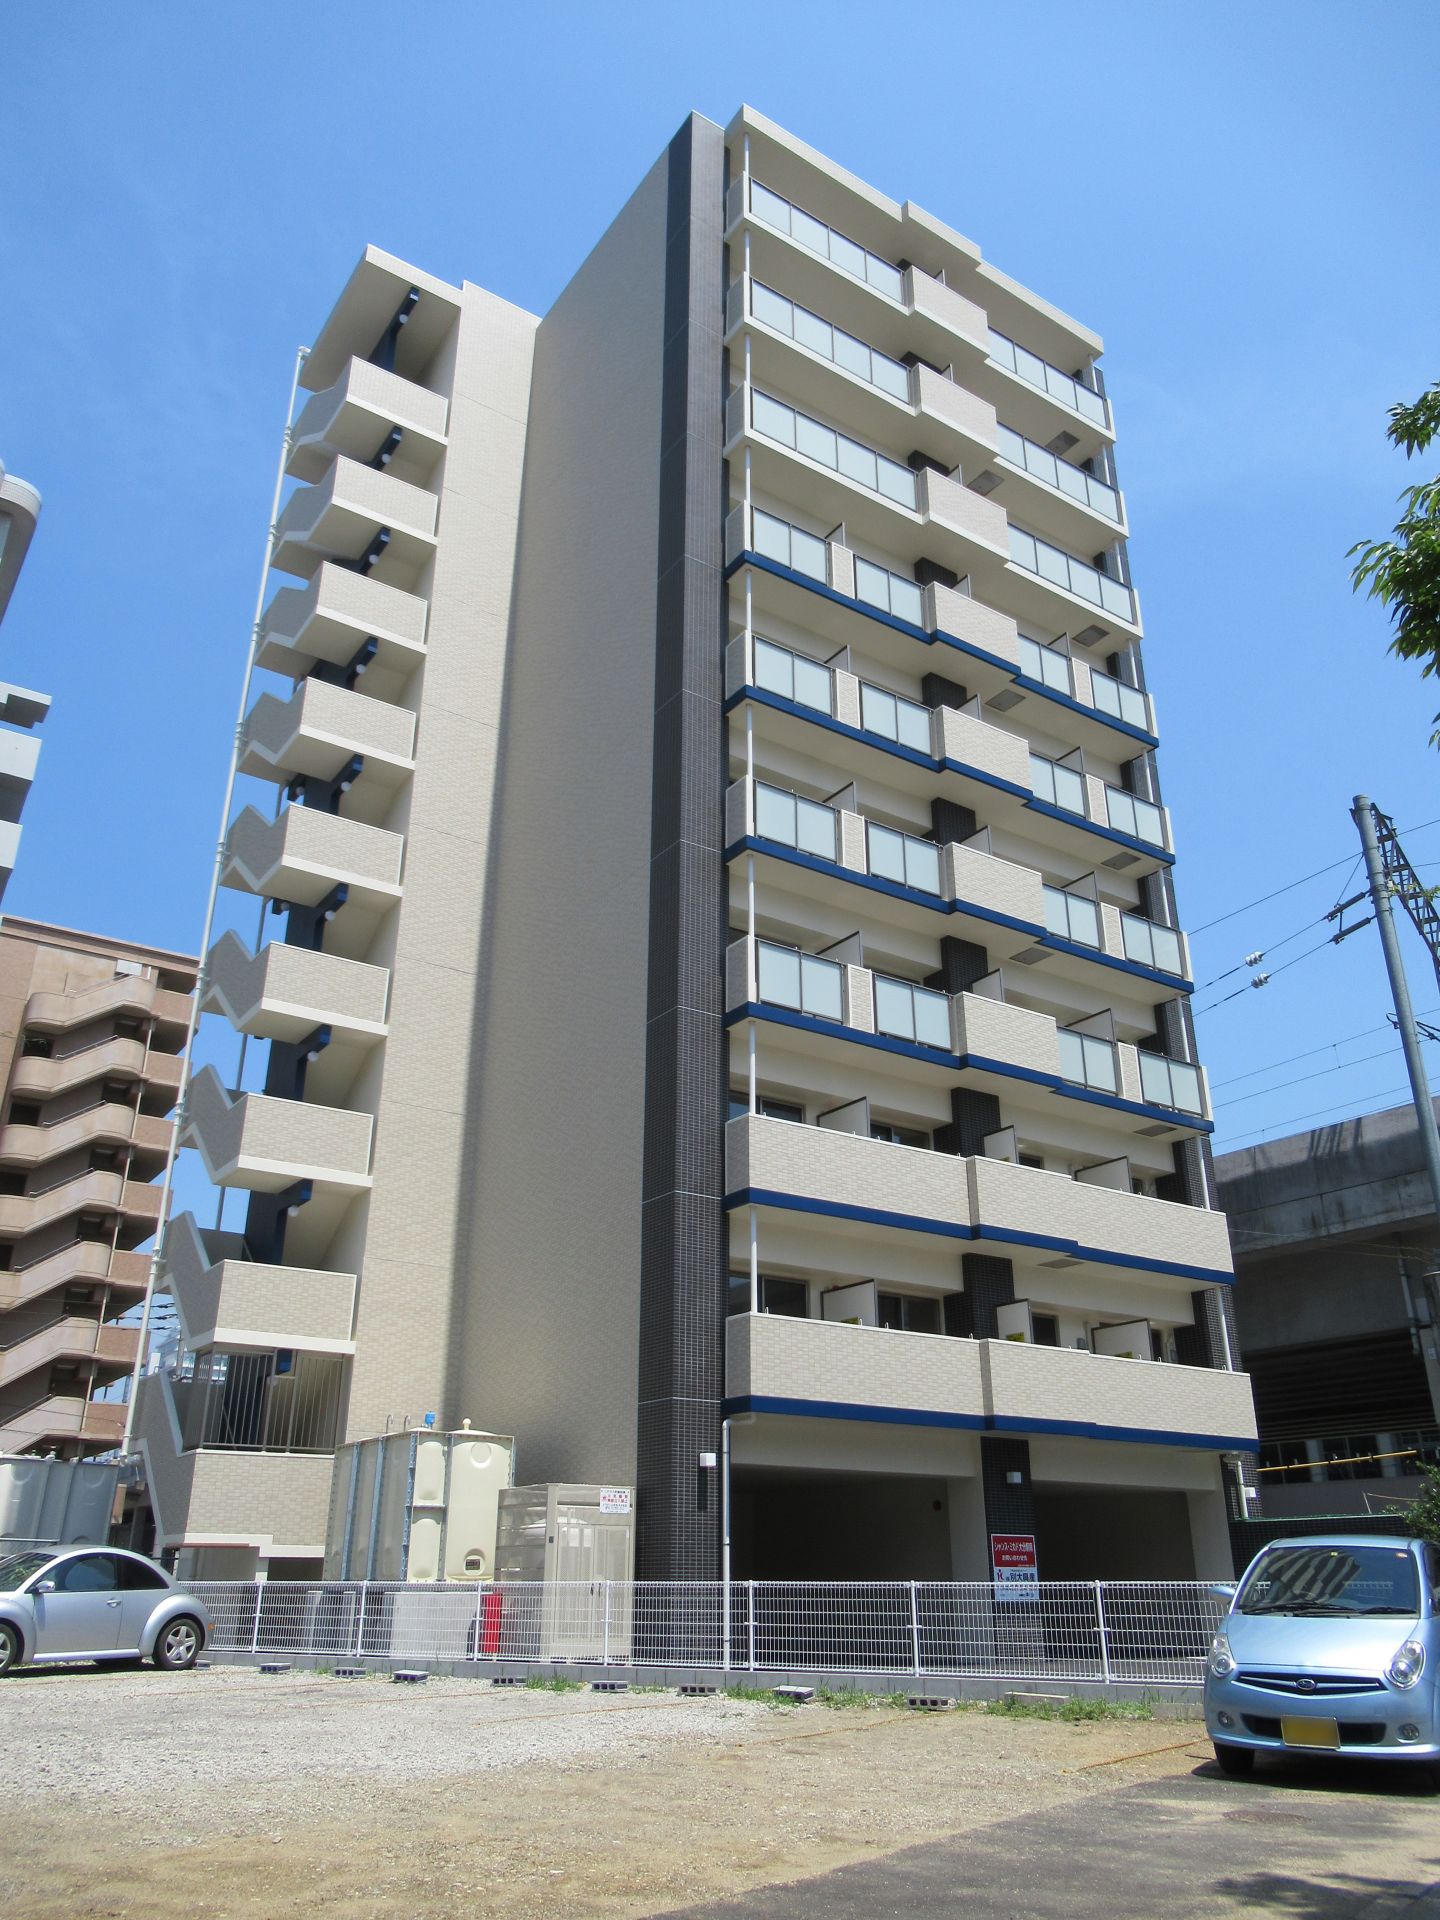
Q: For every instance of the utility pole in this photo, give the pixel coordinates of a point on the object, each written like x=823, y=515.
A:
x=1384, y=870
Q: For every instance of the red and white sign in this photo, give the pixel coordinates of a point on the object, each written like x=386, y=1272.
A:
x=615, y=1499
x=1014, y=1564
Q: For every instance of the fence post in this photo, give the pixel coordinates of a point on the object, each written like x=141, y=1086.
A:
x=750, y=1609
x=605, y=1643
x=255, y=1628
x=725, y=1601
x=914, y=1627
x=360, y=1619
x=1104, y=1632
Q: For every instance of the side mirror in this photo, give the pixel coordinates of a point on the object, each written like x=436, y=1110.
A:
x=43, y=1586
x=1224, y=1589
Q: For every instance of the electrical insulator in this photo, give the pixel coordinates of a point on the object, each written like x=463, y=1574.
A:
x=1260, y=980
x=1254, y=959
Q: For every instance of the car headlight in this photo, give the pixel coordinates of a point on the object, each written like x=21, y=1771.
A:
x=1222, y=1661
x=1407, y=1665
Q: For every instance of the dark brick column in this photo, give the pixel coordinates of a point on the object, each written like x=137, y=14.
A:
x=683, y=1231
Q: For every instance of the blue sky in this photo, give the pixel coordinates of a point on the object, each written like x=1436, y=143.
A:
x=1240, y=197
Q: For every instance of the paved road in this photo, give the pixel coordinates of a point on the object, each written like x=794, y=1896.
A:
x=1311, y=1841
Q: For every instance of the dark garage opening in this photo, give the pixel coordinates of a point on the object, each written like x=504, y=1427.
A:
x=788, y=1525
x=1112, y=1533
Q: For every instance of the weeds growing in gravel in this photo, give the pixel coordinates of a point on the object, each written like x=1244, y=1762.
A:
x=763, y=1695
x=556, y=1683
x=1015, y=1706
x=855, y=1697
x=650, y=1689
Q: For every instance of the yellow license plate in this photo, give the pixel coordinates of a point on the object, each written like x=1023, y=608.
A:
x=1309, y=1733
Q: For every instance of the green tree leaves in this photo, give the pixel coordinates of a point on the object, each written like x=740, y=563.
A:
x=1403, y=573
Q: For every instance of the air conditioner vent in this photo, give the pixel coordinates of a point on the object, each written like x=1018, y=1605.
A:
x=1121, y=860
x=985, y=482
x=1003, y=702
x=1031, y=957
x=1090, y=636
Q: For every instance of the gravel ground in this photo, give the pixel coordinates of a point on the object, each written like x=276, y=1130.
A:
x=230, y=1792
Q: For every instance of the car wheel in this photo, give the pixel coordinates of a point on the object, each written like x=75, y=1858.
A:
x=1238, y=1762
x=178, y=1644
x=10, y=1649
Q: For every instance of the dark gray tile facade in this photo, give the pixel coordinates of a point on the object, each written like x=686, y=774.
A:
x=684, y=1250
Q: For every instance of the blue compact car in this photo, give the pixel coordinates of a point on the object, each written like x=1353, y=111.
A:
x=1331, y=1645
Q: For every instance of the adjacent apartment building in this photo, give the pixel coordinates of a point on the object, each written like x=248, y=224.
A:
x=19, y=707
x=91, y=1034
x=726, y=998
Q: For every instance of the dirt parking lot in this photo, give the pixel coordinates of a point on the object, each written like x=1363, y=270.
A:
x=226, y=1791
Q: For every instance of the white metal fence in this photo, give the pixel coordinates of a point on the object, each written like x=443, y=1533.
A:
x=1074, y=1630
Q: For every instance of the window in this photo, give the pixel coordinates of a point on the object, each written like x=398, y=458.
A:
x=1046, y=664
x=800, y=981
x=904, y=721
x=1151, y=945
x=792, y=676
x=908, y=1312
x=24, y=1113
x=1060, y=786
x=806, y=825
x=88, y=1573
x=789, y=1299
x=1045, y=1329
x=891, y=592
x=792, y=547
x=1086, y=1061
x=37, y=1046
x=1072, y=916
x=1138, y=818
x=898, y=1136
x=903, y=858
x=907, y=1012
x=136, y=1577
x=766, y=1108
x=1170, y=1083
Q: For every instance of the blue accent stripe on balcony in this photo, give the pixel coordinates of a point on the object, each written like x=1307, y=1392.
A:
x=752, y=843
x=954, y=1230
x=959, y=1062
x=1068, y=819
x=749, y=558
x=788, y=1408
x=852, y=1410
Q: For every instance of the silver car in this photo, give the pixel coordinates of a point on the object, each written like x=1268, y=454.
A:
x=95, y=1603
x=1331, y=1645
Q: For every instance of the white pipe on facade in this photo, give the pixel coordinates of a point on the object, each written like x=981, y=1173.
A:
x=754, y=1263
x=209, y=921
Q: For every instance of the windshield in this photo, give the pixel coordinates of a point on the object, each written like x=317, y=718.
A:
x=1347, y=1581
x=16, y=1568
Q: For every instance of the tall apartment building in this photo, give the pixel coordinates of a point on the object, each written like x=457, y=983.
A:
x=728, y=984
x=19, y=707
x=91, y=1033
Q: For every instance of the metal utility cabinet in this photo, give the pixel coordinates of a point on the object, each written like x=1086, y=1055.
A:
x=61, y=1500
x=417, y=1506
x=573, y=1547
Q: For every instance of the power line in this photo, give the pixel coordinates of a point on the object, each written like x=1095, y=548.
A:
x=1381, y=1093
x=1341, y=1066
x=1264, y=979
x=1291, y=885
x=1309, y=1053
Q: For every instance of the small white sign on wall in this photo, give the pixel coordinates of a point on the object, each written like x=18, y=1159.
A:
x=615, y=1499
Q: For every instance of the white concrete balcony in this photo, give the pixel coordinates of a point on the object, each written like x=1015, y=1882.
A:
x=279, y=1500
x=303, y=853
x=1039, y=1388
x=1010, y=1209
x=285, y=993
x=339, y=517
x=69, y=1338
x=41, y=1077
x=320, y=729
x=333, y=617
x=81, y=1263
x=1076, y=509
x=773, y=1357
x=263, y=1144
x=130, y=995
x=1002, y=1385
x=99, y=1192
x=226, y=1299
x=356, y=415
x=1026, y=1205
x=948, y=504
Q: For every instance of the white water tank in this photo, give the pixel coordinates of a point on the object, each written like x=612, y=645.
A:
x=417, y=1505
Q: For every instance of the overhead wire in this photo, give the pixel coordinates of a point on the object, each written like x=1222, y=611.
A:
x=1341, y=1066
x=1309, y=1053
x=1381, y=1093
x=1304, y=879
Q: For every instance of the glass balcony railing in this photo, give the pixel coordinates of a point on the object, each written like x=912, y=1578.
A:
x=849, y=458
x=1151, y=945
x=891, y=592
x=803, y=824
x=1072, y=917
x=847, y=255
x=807, y=329
x=791, y=546
x=1170, y=1083
x=1039, y=373
x=793, y=677
x=1113, y=697
x=903, y=857
x=1138, y=818
x=893, y=718
x=1047, y=665
x=799, y=981
x=1088, y=1062
x=907, y=1012
x=1062, y=569
x=1061, y=786
x=1063, y=475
